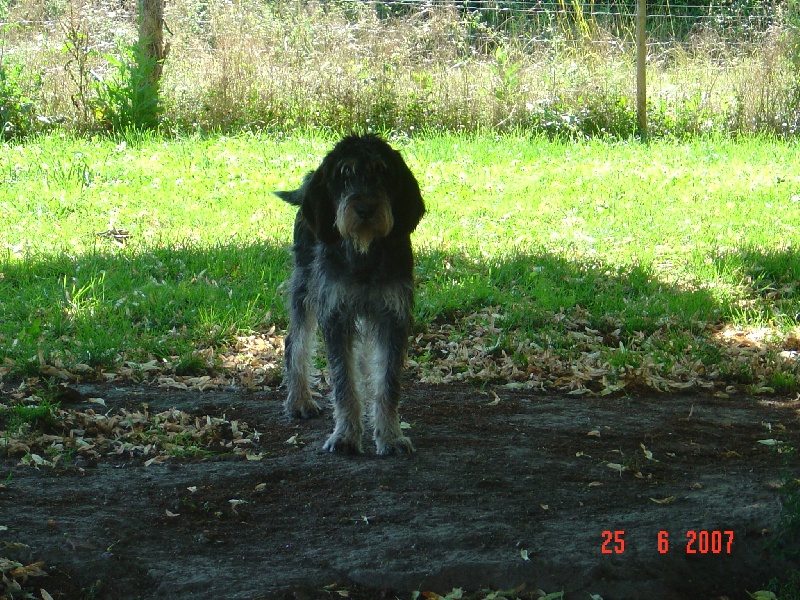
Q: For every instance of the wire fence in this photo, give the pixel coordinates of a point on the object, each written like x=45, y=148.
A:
x=668, y=23
x=504, y=62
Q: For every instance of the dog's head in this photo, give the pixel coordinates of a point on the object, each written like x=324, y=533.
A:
x=363, y=191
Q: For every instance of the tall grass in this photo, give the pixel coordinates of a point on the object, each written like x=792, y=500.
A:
x=341, y=65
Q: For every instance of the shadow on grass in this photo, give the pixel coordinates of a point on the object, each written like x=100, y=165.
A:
x=137, y=304
x=627, y=318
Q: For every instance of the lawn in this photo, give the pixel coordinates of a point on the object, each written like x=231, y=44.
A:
x=591, y=267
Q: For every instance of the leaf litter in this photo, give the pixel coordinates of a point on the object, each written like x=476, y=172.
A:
x=78, y=437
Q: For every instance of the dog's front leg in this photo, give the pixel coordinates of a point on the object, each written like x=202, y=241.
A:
x=338, y=331
x=388, y=353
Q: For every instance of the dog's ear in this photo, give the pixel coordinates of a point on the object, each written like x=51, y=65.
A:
x=316, y=205
x=407, y=205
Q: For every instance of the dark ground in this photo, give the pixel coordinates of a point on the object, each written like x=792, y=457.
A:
x=491, y=483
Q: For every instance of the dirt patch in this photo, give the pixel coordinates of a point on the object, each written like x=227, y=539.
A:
x=504, y=489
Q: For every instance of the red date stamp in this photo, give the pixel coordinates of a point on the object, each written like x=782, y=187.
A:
x=696, y=542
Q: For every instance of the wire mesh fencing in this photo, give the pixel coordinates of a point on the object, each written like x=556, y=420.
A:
x=556, y=66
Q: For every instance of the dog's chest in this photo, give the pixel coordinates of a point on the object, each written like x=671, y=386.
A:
x=385, y=264
x=365, y=283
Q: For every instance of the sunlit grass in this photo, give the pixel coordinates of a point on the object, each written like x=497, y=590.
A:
x=640, y=240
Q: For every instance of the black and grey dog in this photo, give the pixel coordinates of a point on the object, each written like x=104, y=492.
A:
x=353, y=276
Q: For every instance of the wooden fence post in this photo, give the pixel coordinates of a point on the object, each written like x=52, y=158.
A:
x=641, y=68
x=151, y=35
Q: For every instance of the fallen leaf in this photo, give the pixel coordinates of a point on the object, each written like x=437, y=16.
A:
x=524, y=554
x=762, y=595
x=647, y=454
x=31, y=570
x=45, y=595
x=172, y=514
x=15, y=545
x=617, y=467
x=594, y=433
x=668, y=500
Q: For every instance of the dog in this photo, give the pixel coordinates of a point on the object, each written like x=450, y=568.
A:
x=353, y=278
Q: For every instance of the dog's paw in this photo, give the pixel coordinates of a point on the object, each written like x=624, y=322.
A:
x=303, y=410
x=343, y=445
x=398, y=445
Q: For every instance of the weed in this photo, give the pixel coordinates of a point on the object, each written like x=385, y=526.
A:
x=78, y=48
x=17, y=109
x=128, y=99
x=787, y=589
x=34, y=413
x=782, y=381
x=191, y=364
x=787, y=539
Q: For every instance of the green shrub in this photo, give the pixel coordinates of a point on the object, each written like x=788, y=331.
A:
x=128, y=98
x=16, y=107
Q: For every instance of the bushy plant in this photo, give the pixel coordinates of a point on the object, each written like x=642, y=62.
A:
x=16, y=107
x=128, y=98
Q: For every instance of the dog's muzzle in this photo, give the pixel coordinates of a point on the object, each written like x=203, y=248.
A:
x=365, y=210
x=364, y=219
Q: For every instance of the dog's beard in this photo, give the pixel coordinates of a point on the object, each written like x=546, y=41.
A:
x=363, y=232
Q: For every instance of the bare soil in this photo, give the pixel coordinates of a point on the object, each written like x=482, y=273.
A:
x=498, y=494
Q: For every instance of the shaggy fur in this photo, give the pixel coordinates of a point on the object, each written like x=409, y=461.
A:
x=353, y=277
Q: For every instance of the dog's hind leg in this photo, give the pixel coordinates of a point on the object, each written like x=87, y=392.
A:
x=299, y=348
x=339, y=332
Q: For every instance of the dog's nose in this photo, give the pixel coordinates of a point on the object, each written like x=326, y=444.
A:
x=365, y=211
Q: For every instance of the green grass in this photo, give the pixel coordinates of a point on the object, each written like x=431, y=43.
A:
x=641, y=251
x=38, y=415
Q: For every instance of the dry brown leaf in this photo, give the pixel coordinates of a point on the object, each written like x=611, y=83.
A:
x=667, y=500
x=32, y=570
